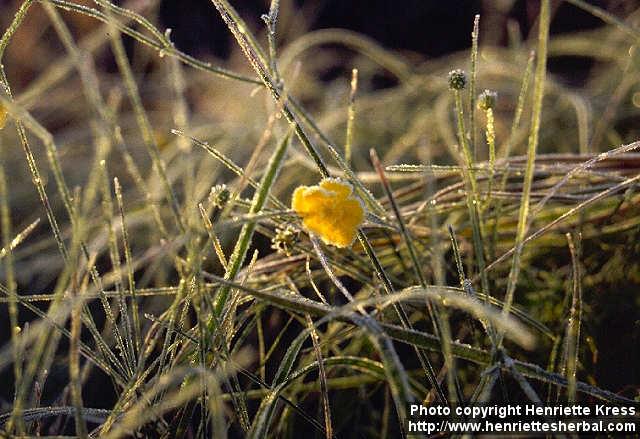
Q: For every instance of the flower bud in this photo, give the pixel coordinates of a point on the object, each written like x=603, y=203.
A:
x=487, y=100
x=284, y=239
x=457, y=79
x=219, y=195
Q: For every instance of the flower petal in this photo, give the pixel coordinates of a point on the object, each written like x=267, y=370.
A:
x=329, y=210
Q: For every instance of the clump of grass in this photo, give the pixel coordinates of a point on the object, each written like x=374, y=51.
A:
x=149, y=247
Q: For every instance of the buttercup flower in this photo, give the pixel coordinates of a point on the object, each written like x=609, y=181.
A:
x=3, y=116
x=329, y=210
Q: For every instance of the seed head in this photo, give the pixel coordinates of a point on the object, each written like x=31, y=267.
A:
x=487, y=100
x=219, y=195
x=457, y=79
x=284, y=239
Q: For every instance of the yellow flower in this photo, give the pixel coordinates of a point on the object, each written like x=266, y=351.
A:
x=330, y=210
x=3, y=116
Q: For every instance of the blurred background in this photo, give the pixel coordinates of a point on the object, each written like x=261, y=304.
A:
x=426, y=28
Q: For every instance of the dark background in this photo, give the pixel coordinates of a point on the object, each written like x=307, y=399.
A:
x=425, y=28
x=430, y=28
